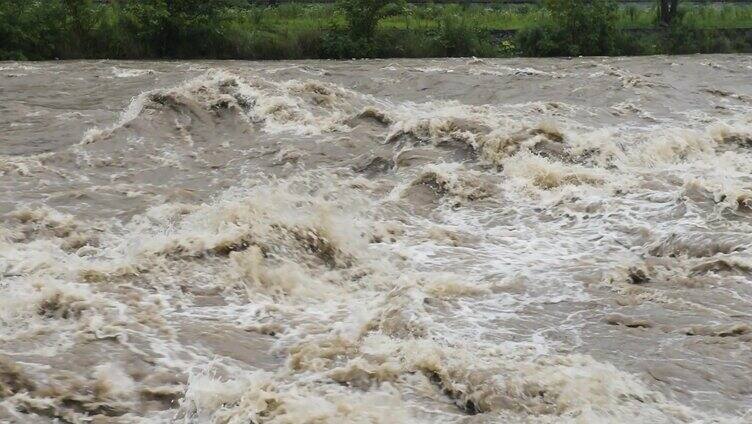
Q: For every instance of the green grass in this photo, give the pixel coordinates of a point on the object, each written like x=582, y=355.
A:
x=695, y=16
x=513, y=17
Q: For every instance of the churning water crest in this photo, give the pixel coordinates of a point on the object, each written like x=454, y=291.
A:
x=443, y=241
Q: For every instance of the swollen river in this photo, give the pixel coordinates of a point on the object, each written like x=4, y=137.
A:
x=383, y=242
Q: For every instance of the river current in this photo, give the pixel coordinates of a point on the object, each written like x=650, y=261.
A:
x=382, y=241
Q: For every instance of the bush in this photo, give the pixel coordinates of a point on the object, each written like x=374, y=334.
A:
x=363, y=16
x=409, y=44
x=457, y=38
x=573, y=28
x=339, y=44
x=682, y=39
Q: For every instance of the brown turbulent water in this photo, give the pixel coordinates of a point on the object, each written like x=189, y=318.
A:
x=397, y=241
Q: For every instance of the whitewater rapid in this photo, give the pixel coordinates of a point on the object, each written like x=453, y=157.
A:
x=382, y=241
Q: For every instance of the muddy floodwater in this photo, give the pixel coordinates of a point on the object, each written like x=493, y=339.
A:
x=384, y=241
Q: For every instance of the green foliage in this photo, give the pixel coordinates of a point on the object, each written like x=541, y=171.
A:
x=682, y=38
x=31, y=30
x=143, y=29
x=507, y=48
x=339, y=44
x=363, y=16
x=11, y=32
x=458, y=38
x=574, y=27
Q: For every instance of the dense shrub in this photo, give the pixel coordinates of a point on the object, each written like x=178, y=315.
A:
x=11, y=32
x=363, y=16
x=682, y=39
x=458, y=38
x=573, y=28
x=340, y=44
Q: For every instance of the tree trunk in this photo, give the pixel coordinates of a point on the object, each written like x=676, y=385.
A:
x=667, y=11
x=672, y=12
x=663, y=6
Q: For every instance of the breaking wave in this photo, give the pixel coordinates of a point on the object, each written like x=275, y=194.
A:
x=289, y=245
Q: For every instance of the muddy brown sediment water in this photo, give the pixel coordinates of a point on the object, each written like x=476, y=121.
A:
x=385, y=241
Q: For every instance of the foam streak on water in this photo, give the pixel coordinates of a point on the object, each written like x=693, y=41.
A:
x=434, y=241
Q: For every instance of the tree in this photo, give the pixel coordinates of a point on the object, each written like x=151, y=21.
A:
x=180, y=28
x=11, y=34
x=78, y=18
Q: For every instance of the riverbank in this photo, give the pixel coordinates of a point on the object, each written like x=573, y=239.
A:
x=46, y=30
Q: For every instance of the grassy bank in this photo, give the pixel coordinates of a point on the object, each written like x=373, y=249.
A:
x=73, y=29
x=502, y=17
